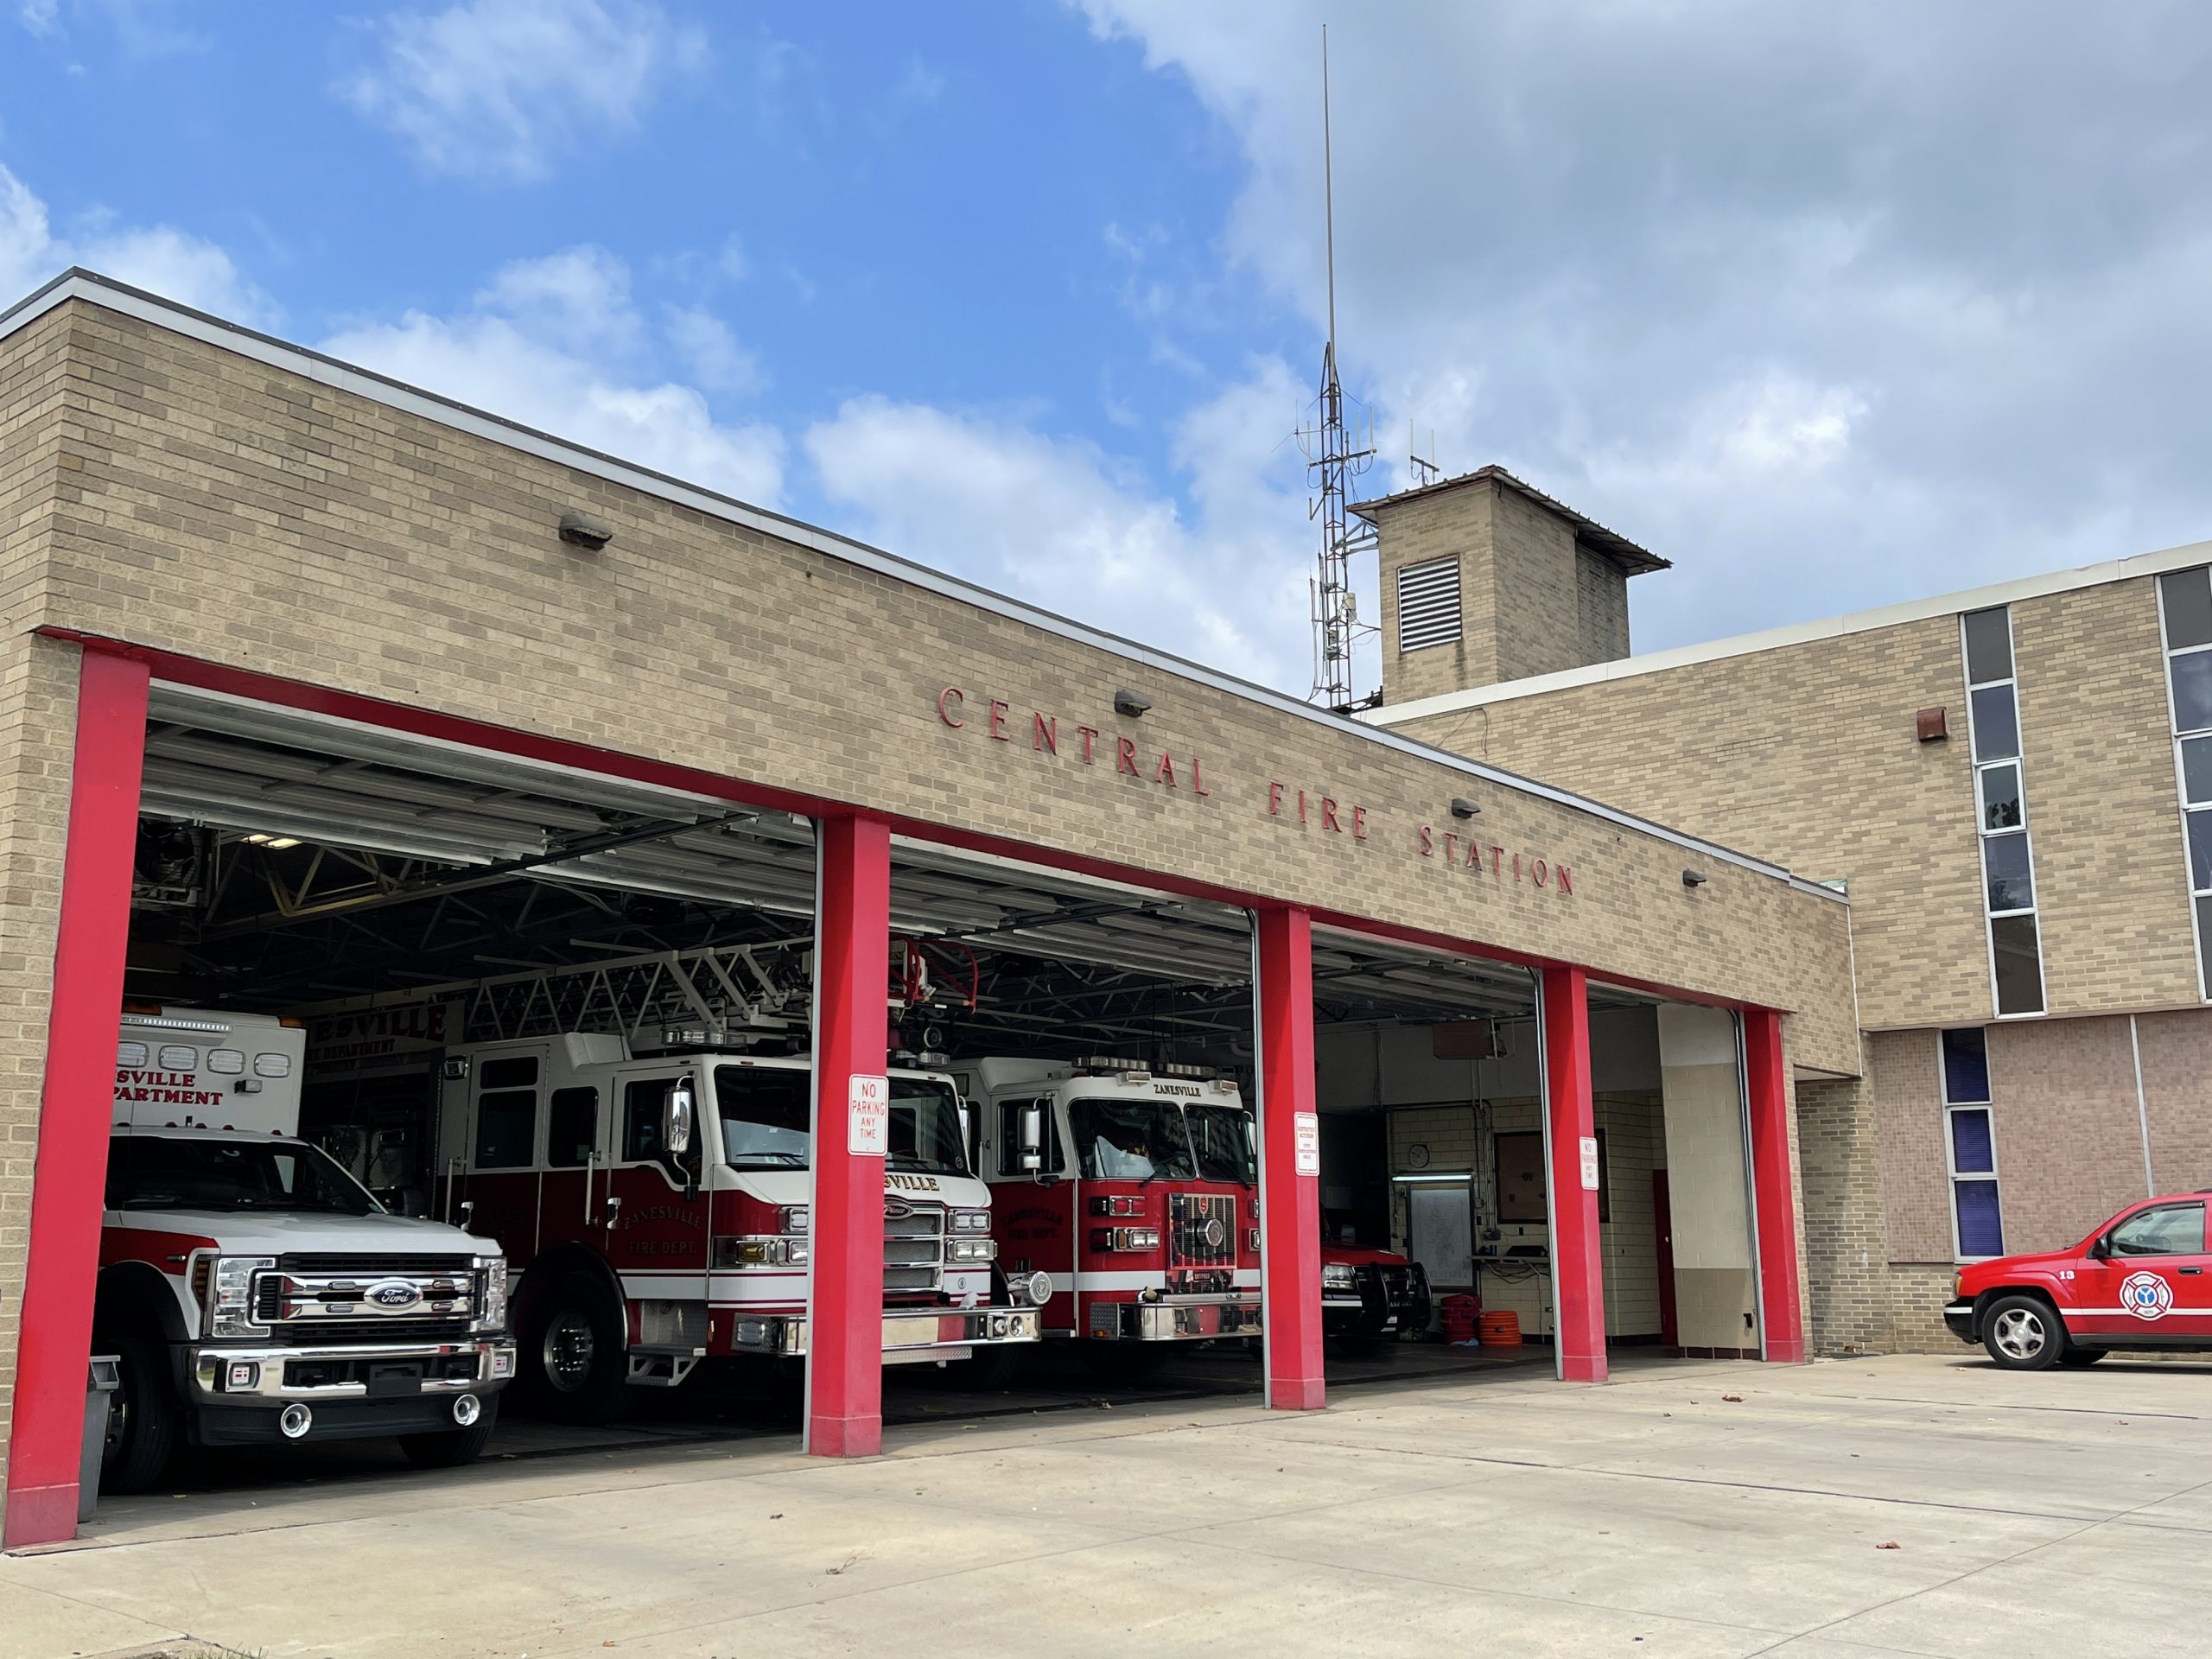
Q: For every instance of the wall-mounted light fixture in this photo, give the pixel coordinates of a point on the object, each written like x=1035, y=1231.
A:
x=1463, y=808
x=578, y=529
x=1128, y=703
x=1694, y=878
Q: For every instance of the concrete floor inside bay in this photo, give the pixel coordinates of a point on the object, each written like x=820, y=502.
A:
x=1687, y=1508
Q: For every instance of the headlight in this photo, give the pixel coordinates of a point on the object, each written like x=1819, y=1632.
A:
x=974, y=1250
x=230, y=1307
x=1338, y=1275
x=492, y=1305
x=793, y=1219
x=1125, y=1238
x=971, y=1221
x=760, y=1252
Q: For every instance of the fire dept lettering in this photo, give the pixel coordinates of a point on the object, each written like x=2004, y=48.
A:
x=164, y=1088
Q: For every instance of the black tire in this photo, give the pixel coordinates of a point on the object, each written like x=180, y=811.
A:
x=1124, y=1362
x=143, y=1417
x=2078, y=1357
x=573, y=1358
x=2023, y=1333
x=991, y=1371
x=454, y=1447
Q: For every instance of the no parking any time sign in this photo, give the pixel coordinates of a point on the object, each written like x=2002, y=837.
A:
x=868, y=1117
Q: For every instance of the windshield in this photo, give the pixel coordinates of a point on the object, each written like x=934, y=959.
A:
x=764, y=1118
x=1223, y=1136
x=156, y=1172
x=1131, y=1139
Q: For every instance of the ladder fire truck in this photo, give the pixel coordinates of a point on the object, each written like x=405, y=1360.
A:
x=647, y=1173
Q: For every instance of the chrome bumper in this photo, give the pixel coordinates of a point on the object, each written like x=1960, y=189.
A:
x=212, y=1372
x=924, y=1334
x=1173, y=1318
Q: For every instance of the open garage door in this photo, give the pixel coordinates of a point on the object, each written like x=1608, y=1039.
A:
x=1434, y=1144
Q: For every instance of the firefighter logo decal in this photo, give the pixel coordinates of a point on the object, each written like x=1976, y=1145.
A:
x=2146, y=1295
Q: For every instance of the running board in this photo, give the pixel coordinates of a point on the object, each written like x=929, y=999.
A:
x=663, y=1369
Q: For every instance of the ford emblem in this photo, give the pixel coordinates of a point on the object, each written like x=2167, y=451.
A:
x=394, y=1294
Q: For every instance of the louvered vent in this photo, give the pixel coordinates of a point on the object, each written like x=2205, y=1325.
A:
x=1429, y=604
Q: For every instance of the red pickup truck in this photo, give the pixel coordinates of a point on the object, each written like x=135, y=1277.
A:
x=2141, y=1281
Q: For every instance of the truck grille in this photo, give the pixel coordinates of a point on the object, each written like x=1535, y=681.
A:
x=1201, y=1230
x=913, y=1246
x=340, y=1299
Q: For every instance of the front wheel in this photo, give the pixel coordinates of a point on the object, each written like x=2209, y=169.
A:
x=574, y=1352
x=2022, y=1333
x=142, y=1415
x=451, y=1448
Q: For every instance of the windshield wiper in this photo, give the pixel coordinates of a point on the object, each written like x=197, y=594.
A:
x=768, y=1160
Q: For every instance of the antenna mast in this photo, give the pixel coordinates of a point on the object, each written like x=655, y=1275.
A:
x=1332, y=463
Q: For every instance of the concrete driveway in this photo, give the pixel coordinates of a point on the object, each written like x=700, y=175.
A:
x=1687, y=1508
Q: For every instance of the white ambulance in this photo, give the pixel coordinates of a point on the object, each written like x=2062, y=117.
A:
x=254, y=1291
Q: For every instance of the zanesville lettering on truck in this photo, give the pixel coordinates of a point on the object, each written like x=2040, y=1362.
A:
x=164, y=1088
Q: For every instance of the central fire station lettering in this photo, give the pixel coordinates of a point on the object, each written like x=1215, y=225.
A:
x=1168, y=770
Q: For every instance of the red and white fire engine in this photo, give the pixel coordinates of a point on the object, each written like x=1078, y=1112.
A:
x=1140, y=1188
x=655, y=1205
x=254, y=1292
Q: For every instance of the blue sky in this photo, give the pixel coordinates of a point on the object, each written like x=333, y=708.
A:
x=1832, y=309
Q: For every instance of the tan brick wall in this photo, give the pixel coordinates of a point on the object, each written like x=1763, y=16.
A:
x=1532, y=600
x=38, y=689
x=1455, y=524
x=2176, y=1063
x=1806, y=755
x=1601, y=598
x=237, y=512
x=1903, y=1067
x=2070, y=1142
x=2103, y=813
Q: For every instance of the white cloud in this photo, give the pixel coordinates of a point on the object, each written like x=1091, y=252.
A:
x=1067, y=526
x=557, y=343
x=1834, y=305
x=499, y=89
x=706, y=345
x=164, y=260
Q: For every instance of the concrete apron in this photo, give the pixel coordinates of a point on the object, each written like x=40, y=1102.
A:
x=1689, y=1507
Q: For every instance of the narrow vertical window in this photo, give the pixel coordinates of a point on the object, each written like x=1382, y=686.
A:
x=1970, y=1145
x=2185, y=617
x=2001, y=811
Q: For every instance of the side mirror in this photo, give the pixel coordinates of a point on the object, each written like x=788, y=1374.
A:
x=2102, y=1250
x=675, y=1121
x=1033, y=1138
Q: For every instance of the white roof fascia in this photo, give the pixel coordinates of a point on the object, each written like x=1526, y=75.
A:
x=96, y=290
x=1799, y=634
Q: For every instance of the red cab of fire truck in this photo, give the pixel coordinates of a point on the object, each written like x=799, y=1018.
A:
x=1141, y=1188
x=254, y=1292
x=655, y=1207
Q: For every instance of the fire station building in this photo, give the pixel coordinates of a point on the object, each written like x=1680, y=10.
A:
x=1655, y=998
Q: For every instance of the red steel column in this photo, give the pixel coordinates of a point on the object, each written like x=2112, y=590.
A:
x=82, y=1027
x=1577, y=1261
x=1290, y=1196
x=852, y=967
x=1781, y=1317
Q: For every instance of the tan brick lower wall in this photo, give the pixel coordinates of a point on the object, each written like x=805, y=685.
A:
x=37, y=727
